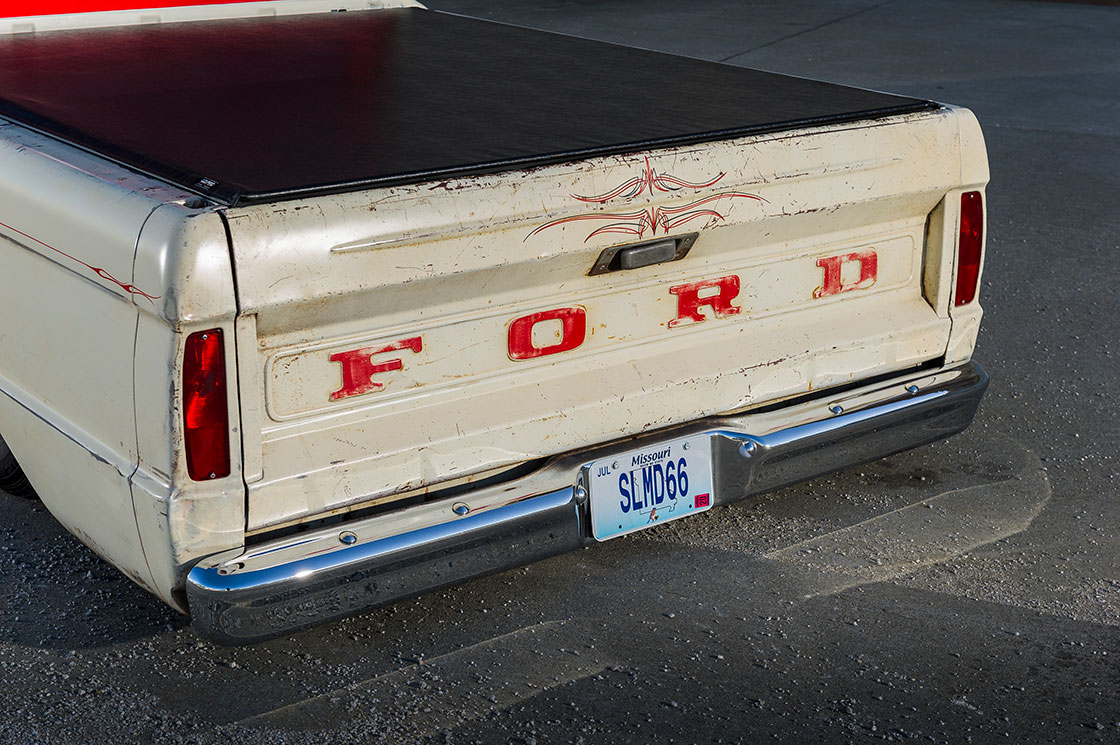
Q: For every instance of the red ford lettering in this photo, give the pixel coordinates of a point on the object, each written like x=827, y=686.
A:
x=573, y=330
x=690, y=301
x=358, y=367
x=833, y=267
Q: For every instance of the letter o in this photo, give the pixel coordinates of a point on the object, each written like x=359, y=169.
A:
x=573, y=331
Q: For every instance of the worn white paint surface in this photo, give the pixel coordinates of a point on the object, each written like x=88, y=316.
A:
x=185, y=253
x=68, y=227
x=455, y=262
x=105, y=272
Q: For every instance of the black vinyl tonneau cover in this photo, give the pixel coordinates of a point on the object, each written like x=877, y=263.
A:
x=274, y=108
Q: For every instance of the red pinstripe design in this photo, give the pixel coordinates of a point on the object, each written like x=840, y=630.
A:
x=650, y=219
x=102, y=273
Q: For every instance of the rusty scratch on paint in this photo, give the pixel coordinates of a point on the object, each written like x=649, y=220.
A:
x=102, y=273
x=651, y=219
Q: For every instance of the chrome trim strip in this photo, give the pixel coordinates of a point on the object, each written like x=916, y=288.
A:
x=248, y=595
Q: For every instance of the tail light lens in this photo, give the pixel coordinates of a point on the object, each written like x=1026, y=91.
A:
x=969, y=247
x=205, y=407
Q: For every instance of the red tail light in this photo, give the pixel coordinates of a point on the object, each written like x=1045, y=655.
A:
x=205, y=409
x=969, y=247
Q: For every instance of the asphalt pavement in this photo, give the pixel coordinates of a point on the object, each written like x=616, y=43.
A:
x=967, y=591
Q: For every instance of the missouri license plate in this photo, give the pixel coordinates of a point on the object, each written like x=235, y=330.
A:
x=650, y=486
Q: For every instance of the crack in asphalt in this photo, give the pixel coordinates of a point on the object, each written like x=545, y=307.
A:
x=806, y=31
x=923, y=534
x=428, y=697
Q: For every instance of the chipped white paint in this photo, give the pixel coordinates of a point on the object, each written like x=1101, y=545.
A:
x=454, y=263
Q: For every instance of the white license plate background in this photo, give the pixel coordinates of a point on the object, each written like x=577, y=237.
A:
x=642, y=488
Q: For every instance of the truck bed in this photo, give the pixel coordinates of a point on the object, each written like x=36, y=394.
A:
x=275, y=108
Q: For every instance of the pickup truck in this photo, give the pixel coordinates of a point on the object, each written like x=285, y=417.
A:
x=305, y=311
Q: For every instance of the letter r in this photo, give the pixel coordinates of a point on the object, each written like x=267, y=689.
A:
x=689, y=301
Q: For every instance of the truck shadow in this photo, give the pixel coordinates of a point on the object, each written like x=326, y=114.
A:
x=714, y=591
x=57, y=594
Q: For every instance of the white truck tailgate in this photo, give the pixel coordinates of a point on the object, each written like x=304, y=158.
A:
x=383, y=349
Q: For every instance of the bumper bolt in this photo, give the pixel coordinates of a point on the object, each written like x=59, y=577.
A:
x=836, y=409
x=348, y=537
x=229, y=569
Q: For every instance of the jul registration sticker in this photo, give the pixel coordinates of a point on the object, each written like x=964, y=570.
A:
x=650, y=486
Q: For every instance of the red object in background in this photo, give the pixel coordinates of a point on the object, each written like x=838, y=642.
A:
x=20, y=8
x=969, y=247
x=205, y=407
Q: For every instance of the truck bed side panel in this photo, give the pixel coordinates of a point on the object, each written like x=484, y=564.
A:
x=67, y=240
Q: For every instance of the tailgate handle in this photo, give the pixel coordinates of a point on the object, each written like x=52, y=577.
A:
x=647, y=253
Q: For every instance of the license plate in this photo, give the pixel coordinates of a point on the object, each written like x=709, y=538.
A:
x=650, y=486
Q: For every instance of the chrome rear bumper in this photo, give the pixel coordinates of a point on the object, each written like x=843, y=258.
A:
x=291, y=583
